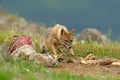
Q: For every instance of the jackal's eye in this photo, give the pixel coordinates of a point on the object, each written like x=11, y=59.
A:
x=66, y=40
x=71, y=40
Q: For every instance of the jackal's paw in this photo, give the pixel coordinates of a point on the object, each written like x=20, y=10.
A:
x=55, y=57
x=72, y=52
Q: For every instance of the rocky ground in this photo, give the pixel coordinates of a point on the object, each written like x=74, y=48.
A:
x=74, y=66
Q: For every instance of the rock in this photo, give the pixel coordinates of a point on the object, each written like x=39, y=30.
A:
x=92, y=34
x=4, y=52
x=106, y=61
x=116, y=63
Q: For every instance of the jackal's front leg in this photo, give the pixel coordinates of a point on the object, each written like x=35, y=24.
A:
x=71, y=51
x=54, y=50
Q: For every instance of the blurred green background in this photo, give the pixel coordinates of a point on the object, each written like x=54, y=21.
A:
x=78, y=14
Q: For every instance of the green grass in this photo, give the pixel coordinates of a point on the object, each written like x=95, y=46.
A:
x=28, y=70
x=25, y=70
x=7, y=36
x=109, y=50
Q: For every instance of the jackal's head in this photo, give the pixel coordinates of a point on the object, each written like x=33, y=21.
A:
x=67, y=39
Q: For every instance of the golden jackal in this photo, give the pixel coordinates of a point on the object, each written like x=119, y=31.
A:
x=56, y=38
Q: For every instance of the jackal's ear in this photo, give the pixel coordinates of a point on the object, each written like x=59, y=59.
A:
x=72, y=31
x=62, y=32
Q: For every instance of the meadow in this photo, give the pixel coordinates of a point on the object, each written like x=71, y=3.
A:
x=27, y=70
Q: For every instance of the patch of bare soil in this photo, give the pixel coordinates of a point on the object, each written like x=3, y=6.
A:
x=74, y=66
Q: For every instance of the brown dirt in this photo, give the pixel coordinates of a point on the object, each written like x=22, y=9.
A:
x=75, y=67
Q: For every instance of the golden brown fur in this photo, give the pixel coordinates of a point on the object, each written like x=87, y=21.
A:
x=56, y=38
